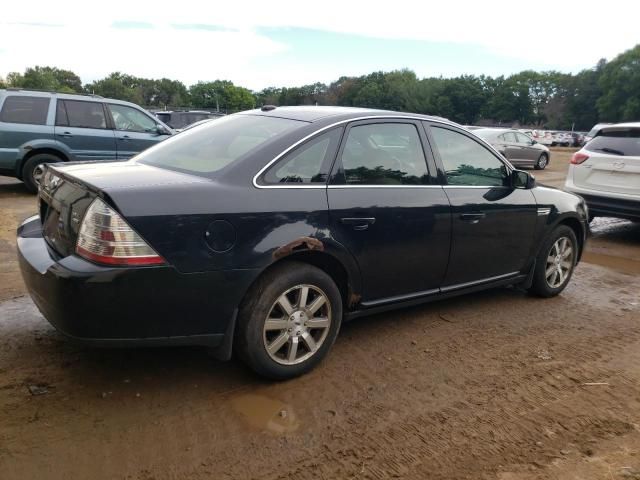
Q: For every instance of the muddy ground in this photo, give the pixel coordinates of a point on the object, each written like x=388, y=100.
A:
x=498, y=385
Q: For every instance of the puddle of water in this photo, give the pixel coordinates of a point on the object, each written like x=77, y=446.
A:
x=265, y=413
x=625, y=265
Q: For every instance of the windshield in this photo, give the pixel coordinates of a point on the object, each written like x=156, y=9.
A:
x=209, y=147
x=617, y=142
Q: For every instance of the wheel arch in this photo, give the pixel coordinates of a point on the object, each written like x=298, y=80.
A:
x=575, y=225
x=37, y=151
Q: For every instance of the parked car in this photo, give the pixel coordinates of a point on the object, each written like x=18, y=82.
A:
x=606, y=172
x=545, y=138
x=44, y=127
x=263, y=230
x=562, y=139
x=520, y=149
x=578, y=139
x=181, y=119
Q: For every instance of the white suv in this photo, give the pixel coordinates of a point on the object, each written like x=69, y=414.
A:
x=606, y=172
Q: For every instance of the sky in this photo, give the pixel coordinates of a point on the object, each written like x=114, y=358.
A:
x=258, y=44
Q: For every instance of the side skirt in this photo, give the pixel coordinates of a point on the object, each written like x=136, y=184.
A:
x=386, y=305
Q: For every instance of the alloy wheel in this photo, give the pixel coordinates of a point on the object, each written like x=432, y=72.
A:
x=38, y=171
x=297, y=324
x=559, y=262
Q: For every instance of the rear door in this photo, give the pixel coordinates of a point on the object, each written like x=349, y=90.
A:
x=512, y=147
x=83, y=127
x=387, y=210
x=493, y=223
x=613, y=164
x=529, y=154
x=135, y=131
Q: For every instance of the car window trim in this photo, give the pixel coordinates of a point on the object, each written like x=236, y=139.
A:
x=342, y=122
x=510, y=168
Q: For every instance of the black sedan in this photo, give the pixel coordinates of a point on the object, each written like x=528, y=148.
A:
x=262, y=231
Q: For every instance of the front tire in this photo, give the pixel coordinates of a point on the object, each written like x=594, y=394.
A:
x=542, y=162
x=32, y=169
x=289, y=321
x=555, y=262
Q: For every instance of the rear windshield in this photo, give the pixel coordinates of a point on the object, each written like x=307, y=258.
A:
x=618, y=142
x=25, y=109
x=209, y=147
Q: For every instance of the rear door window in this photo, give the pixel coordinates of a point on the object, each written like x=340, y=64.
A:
x=24, y=109
x=384, y=154
x=83, y=114
x=618, y=142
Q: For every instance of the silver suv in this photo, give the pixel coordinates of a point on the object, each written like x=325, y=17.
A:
x=606, y=172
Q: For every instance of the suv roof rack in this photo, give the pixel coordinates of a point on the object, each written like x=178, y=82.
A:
x=21, y=89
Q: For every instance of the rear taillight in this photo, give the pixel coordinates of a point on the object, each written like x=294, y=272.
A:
x=106, y=238
x=578, y=158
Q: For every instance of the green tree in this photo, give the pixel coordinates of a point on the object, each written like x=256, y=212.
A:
x=620, y=84
x=46, y=78
x=221, y=94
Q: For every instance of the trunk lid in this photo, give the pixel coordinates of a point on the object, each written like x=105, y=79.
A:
x=67, y=190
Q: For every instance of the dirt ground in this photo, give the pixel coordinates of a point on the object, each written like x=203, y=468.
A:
x=496, y=385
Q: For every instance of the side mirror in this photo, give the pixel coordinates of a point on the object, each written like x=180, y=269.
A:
x=533, y=142
x=161, y=130
x=524, y=180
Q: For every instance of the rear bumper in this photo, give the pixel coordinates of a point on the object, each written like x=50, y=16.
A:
x=612, y=207
x=128, y=306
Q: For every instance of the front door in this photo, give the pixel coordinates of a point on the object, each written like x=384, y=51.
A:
x=135, y=131
x=82, y=127
x=530, y=153
x=492, y=223
x=387, y=211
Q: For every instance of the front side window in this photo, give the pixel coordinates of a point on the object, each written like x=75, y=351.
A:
x=384, y=154
x=23, y=109
x=211, y=146
x=523, y=139
x=466, y=162
x=84, y=114
x=131, y=119
x=308, y=163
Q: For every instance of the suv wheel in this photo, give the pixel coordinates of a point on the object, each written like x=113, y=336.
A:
x=289, y=321
x=542, y=162
x=555, y=262
x=32, y=169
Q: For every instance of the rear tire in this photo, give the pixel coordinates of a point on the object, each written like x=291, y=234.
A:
x=276, y=314
x=555, y=262
x=542, y=162
x=32, y=168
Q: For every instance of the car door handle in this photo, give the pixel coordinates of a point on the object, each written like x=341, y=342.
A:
x=358, y=223
x=472, y=217
x=125, y=138
x=65, y=134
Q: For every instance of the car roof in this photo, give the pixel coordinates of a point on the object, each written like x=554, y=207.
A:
x=495, y=131
x=65, y=96
x=310, y=113
x=615, y=126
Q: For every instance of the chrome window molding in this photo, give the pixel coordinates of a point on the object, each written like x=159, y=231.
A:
x=357, y=185
x=323, y=129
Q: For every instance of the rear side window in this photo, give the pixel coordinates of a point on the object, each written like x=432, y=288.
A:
x=309, y=163
x=23, y=109
x=209, y=147
x=82, y=114
x=384, y=154
x=620, y=142
x=466, y=162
